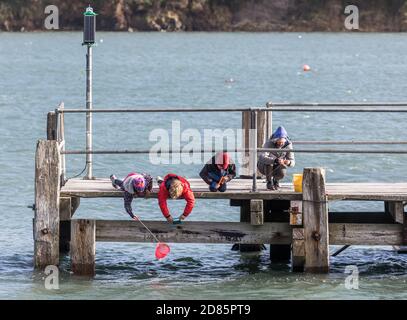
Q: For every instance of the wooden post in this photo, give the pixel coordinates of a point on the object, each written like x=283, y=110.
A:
x=67, y=208
x=405, y=229
x=277, y=211
x=256, y=212
x=315, y=215
x=46, y=217
x=396, y=210
x=297, y=243
x=51, y=126
x=245, y=216
x=263, y=128
x=65, y=214
x=83, y=247
x=245, y=167
x=269, y=120
x=298, y=250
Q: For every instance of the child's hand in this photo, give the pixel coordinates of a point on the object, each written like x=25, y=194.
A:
x=135, y=218
x=169, y=219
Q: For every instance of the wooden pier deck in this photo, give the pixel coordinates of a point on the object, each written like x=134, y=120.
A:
x=241, y=189
x=298, y=226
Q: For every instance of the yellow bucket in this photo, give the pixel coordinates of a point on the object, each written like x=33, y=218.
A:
x=297, y=182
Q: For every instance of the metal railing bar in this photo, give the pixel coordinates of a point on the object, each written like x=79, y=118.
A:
x=288, y=108
x=355, y=142
x=361, y=151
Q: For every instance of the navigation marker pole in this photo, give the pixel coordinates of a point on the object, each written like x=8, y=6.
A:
x=89, y=32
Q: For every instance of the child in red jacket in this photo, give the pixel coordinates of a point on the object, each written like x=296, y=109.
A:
x=175, y=187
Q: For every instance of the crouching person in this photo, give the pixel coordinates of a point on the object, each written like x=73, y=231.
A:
x=175, y=187
x=134, y=185
x=218, y=171
x=274, y=164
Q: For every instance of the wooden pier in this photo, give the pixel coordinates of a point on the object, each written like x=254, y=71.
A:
x=297, y=225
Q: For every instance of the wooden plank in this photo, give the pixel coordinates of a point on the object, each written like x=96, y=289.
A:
x=241, y=189
x=315, y=215
x=46, y=216
x=83, y=247
x=193, y=232
x=51, y=126
x=230, y=232
x=256, y=212
x=365, y=234
x=396, y=209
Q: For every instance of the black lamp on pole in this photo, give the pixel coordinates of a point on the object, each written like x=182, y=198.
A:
x=89, y=29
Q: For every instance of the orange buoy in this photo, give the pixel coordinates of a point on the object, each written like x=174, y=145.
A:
x=306, y=67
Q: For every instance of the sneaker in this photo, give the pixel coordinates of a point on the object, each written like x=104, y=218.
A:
x=113, y=178
x=159, y=180
x=270, y=185
x=276, y=184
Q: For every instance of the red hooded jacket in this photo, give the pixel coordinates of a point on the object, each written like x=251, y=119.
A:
x=187, y=194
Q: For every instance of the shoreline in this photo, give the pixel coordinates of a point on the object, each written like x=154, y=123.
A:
x=210, y=16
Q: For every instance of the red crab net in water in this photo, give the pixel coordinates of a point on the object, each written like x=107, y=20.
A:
x=161, y=250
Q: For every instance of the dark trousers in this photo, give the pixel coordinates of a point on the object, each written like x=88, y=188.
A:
x=272, y=171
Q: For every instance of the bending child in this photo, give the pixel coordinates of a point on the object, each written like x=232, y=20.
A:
x=134, y=185
x=175, y=187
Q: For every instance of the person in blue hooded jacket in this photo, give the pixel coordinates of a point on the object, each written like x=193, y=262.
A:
x=274, y=164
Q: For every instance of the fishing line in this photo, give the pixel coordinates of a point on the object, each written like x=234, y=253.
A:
x=155, y=237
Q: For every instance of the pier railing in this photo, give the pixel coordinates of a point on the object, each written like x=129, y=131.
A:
x=252, y=119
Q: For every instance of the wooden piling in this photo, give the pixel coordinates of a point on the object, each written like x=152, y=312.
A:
x=245, y=216
x=263, y=130
x=297, y=243
x=51, y=126
x=67, y=208
x=46, y=217
x=396, y=210
x=277, y=211
x=404, y=240
x=298, y=250
x=83, y=247
x=256, y=212
x=315, y=220
x=269, y=120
